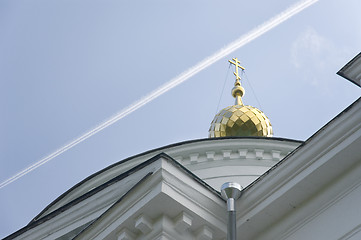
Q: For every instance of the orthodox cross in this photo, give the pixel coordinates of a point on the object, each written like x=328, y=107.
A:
x=236, y=63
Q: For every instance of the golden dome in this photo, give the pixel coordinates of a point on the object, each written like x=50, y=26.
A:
x=240, y=120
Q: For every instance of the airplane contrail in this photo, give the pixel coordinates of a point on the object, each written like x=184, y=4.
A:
x=241, y=41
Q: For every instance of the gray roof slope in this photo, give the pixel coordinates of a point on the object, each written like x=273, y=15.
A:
x=348, y=71
x=112, y=206
x=35, y=222
x=322, y=129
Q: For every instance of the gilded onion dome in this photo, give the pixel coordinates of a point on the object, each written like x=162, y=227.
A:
x=240, y=120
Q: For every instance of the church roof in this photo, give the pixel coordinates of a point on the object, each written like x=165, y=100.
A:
x=327, y=165
x=313, y=167
x=93, y=183
x=125, y=183
x=352, y=70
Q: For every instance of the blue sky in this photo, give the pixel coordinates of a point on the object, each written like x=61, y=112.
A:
x=66, y=66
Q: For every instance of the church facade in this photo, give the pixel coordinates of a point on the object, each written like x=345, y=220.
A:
x=291, y=189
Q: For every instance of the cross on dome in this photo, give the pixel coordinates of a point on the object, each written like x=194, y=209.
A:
x=236, y=63
x=240, y=120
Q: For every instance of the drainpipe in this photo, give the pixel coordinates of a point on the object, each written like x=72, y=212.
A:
x=231, y=191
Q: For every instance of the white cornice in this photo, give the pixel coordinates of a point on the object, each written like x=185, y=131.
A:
x=168, y=192
x=326, y=155
x=205, y=153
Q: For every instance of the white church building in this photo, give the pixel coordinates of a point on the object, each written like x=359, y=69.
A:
x=291, y=189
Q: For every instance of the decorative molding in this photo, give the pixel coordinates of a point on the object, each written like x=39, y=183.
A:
x=183, y=222
x=259, y=153
x=276, y=155
x=194, y=157
x=226, y=154
x=125, y=234
x=162, y=238
x=181, y=152
x=243, y=153
x=143, y=224
x=204, y=233
x=210, y=155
